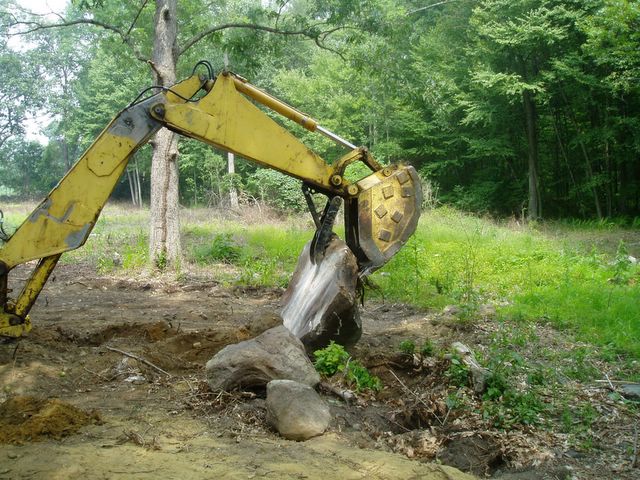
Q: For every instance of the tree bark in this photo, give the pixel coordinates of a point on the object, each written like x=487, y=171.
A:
x=233, y=193
x=132, y=188
x=164, y=235
x=534, y=209
x=138, y=185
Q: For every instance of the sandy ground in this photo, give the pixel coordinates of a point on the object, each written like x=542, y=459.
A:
x=153, y=425
x=161, y=421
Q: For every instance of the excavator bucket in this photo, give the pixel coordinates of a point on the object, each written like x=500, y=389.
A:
x=383, y=216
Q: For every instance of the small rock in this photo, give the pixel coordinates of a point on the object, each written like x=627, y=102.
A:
x=631, y=390
x=275, y=354
x=135, y=379
x=296, y=410
x=451, y=310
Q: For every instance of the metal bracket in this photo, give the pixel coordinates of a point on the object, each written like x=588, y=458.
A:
x=325, y=231
x=307, y=191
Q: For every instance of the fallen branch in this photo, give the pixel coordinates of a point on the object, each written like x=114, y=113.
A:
x=634, y=461
x=344, y=394
x=619, y=382
x=479, y=374
x=140, y=359
x=407, y=389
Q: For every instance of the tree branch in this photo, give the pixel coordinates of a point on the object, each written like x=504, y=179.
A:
x=317, y=38
x=32, y=27
x=444, y=2
x=144, y=4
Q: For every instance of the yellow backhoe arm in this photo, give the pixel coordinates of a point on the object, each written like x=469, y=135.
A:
x=381, y=210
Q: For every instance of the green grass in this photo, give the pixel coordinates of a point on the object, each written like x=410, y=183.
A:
x=263, y=255
x=458, y=258
x=576, y=277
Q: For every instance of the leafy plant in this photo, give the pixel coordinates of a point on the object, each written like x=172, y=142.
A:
x=331, y=359
x=407, y=347
x=514, y=408
x=359, y=377
x=458, y=372
x=222, y=248
x=428, y=349
x=334, y=358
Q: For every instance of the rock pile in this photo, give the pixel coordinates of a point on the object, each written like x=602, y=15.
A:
x=275, y=354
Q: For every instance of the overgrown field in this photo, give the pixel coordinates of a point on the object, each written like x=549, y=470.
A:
x=584, y=278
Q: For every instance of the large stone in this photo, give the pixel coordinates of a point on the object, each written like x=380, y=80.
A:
x=275, y=354
x=320, y=303
x=296, y=410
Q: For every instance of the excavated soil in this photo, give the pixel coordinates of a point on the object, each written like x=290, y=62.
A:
x=28, y=419
x=110, y=384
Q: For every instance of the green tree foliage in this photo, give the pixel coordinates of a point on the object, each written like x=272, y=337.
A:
x=19, y=78
x=24, y=169
x=519, y=107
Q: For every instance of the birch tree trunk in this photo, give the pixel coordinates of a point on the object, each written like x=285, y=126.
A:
x=233, y=193
x=534, y=209
x=164, y=235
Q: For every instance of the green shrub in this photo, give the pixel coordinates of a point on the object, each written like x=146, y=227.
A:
x=334, y=358
x=458, y=372
x=222, y=248
x=407, y=347
x=331, y=360
x=428, y=349
x=360, y=378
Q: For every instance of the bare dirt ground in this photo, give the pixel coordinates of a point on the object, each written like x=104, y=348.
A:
x=118, y=417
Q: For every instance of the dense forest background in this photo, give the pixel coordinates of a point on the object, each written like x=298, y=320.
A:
x=528, y=108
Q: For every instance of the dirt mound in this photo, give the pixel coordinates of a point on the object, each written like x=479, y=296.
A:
x=189, y=351
x=29, y=419
x=147, y=332
x=193, y=350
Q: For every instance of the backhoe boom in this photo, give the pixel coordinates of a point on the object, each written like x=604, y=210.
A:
x=381, y=210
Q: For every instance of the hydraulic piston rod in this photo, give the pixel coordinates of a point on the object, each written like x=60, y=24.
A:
x=287, y=111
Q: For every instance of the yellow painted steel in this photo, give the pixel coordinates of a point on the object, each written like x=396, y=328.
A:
x=15, y=322
x=34, y=285
x=63, y=221
x=228, y=120
x=14, y=326
x=274, y=104
x=388, y=211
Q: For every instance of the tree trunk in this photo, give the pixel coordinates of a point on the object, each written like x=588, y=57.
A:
x=233, y=194
x=534, y=210
x=164, y=235
x=138, y=184
x=132, y=187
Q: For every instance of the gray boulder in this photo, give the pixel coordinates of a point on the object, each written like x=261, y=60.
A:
x=296, y=410
x=275, y=354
